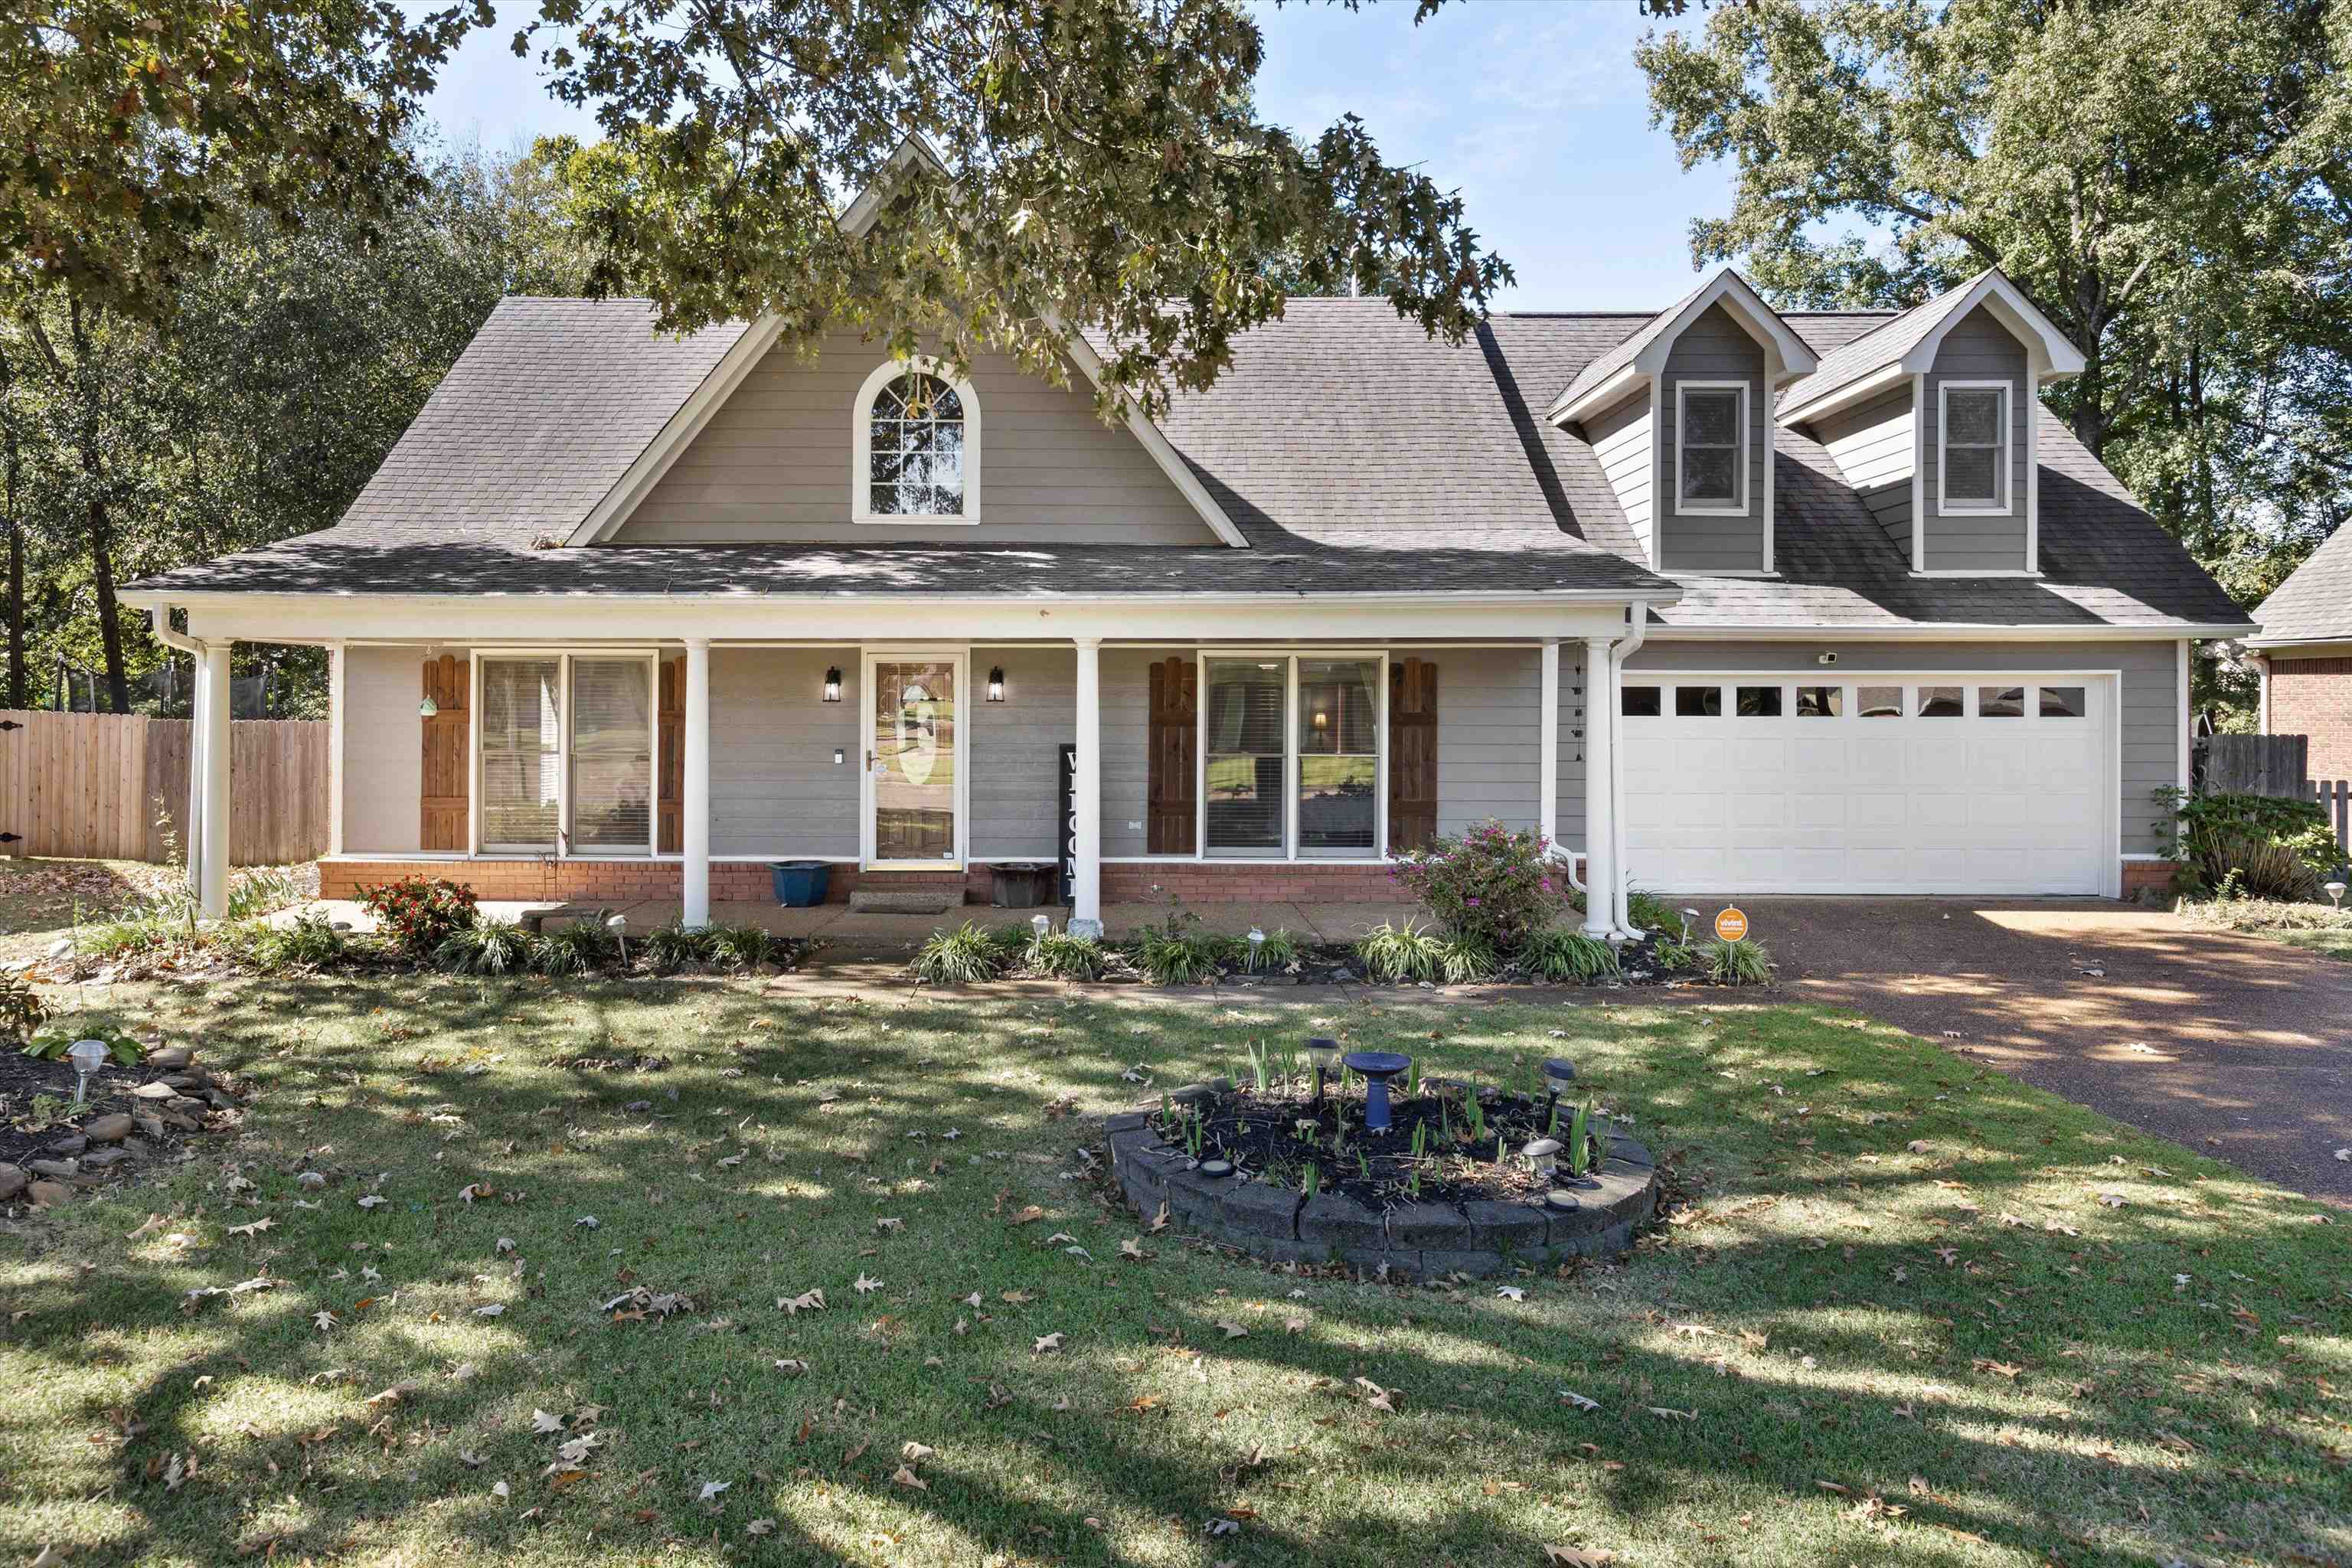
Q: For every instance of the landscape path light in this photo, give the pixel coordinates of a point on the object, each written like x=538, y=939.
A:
x=88, y=1057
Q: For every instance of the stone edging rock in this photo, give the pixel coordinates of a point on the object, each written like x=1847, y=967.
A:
x=1416, y=1240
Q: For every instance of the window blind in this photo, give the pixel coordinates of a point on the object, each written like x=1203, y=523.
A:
x=612, y=754
x=1246, y=760
x=522, y=740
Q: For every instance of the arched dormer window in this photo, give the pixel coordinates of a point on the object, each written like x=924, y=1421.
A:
x=918, y=446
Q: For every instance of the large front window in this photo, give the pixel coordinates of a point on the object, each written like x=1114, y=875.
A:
x=1291, y=752
x=567, y=748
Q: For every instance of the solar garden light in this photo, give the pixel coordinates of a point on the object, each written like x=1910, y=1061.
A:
x=1256, y=940
x=1041, y=925
x=88, y=1057
x=2333, y=887
x=619, y=926
x=1560, y=1075
x=1323, y=1055
x=1688, y=914
x=1545, y=1152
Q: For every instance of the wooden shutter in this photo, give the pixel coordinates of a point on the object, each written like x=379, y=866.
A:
x=669, y=732
x=1171, y=807
x=1412, y=754
x=448, y=778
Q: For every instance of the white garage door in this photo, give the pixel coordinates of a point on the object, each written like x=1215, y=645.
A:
x=1798, y=783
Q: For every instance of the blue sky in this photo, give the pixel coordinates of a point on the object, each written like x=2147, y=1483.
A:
x=1533, y=109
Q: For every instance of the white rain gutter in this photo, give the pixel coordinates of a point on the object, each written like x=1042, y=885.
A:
x=1620, y=913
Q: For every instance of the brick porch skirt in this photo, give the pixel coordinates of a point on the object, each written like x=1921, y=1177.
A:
x=2141, y=875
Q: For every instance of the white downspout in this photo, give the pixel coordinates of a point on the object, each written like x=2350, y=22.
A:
x=1620, y=913
x=159, y=619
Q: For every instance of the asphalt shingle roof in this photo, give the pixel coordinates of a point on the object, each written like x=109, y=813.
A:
x=1355, y=453
x=2314, y=603
x=1884, y=340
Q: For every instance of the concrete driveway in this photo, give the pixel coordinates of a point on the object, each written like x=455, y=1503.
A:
x=2236, y=1045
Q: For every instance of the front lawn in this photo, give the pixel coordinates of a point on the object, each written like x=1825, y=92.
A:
x=1907, y=1311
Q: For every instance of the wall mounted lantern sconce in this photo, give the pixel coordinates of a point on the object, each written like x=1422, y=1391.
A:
x=832, y=683
x=997, y=684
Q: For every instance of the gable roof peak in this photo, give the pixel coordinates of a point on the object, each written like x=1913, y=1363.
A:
x=1643, y=355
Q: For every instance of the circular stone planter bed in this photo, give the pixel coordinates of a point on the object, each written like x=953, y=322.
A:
x=1470, y=1215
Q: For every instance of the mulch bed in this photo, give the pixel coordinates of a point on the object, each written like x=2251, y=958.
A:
x=1262, y=1135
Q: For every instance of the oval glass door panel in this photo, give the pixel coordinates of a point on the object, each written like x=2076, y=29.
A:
x=913, y=760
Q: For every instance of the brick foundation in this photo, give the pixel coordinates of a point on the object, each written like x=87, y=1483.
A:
x=626, y=881
x=1208, y=883
x=2313, y=697
x=2142, y=875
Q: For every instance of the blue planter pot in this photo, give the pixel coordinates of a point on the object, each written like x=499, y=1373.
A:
x=800, y=884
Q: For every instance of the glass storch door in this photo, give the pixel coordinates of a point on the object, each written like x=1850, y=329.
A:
x=914, y=761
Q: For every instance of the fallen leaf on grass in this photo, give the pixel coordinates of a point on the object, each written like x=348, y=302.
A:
x=542, y=1421
x=1232, y=1330
x=808, y=1300
x=256, y=1228
x=492, y=1311
x=791, y=1368
x=1578, y=1557
x=907, y=1477
x=760, y=1527
x=1578, y=1400
x=374, y=1200
x=712, y=1488
x=1510, y=1292
x=1663, y=1412
x=862, y=1285
x=1381, y=1398
x=1046, y=1343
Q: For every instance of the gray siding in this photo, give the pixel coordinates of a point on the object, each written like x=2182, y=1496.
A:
x=1876, y=447
x=1125, y=678
x=384, y=750
x=1488, y=749
x=773, y=465
x=2152, y=709
x=1712, y=348
x=1016, y=751
x=775, y=789
x=1978, y=348
x=1621, y=439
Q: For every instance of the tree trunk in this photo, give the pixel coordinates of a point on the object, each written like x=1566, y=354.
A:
x=109, y=625
x=16, y=610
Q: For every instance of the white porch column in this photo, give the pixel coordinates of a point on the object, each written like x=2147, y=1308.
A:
x=1548, y=747
x=694, y=801
x=192, y=821
x=212, y=765
x=1085, y=795
x=334, y=747
x=1599, y=827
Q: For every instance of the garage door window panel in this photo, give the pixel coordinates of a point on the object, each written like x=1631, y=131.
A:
x=1821, y=701
x=1940, y=702
x=1698, y=701
x=1759, y=702
x=1879, y=701
x=2000, y=702
x=2063, y=702
x=1640, y=702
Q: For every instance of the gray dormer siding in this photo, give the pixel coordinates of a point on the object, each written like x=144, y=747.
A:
x=1625, y=446
x=1713, y=348
x=1978, y=348
x=1876, y=449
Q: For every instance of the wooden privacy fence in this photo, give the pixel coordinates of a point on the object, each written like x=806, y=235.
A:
x=2335, y=797
x=79, y=786
x=2273, y=766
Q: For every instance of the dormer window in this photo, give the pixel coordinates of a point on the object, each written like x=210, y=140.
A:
x=918, y=446
x=1711, y=446
x=1973, y=475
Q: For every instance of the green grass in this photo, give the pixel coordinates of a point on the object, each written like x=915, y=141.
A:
x=2316, y=927
x=2046, y=1388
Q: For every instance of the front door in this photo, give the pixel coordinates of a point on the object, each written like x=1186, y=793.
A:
x=914, y=761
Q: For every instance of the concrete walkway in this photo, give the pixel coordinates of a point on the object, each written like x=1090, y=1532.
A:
x=2235, y=1045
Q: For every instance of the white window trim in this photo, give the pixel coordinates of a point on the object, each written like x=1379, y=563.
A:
x=2005, y=450
x=1289, y=854
x=1739, y=508
x=562, y=849
x=868, y=657
x=861, y=457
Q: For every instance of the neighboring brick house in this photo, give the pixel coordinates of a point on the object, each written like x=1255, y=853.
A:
x=1717, y=598
x=2306, y=647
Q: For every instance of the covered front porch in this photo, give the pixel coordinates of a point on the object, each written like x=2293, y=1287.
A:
x=1267, y=778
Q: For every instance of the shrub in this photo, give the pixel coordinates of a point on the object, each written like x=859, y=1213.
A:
x=578, y=947
x=140, y=930
x=1649, y=912
x=1559, y=953
x=1277, y=953
x=486, y=947
x=1178, y=957
x=307, y=942
x=742, y=947
x=1462, y=960
x=676, y=946
x=1393, y=952
x=2279, y=849
x=1492, y=886
x=1059, y=954
x=22, y=1011
x=419, y=912
x=52, y=1042
x=1673, y=954
x=970, y=953
x=1743, y=962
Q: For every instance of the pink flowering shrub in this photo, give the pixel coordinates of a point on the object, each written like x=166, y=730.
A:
x=1492, y=886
